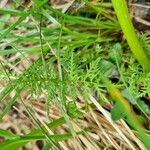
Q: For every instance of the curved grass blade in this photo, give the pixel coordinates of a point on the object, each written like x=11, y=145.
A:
x=8, y=135
x=19, y=142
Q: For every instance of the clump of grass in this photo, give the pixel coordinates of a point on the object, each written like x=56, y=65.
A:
x=79, y=65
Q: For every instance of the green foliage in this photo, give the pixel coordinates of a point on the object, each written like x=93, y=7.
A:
x=73, y=111
x=47, y=147
x=121, y=10
x=17, y=143
x=139, y=85
x=118, y=111
x=115, y=54
x=8, y=135
x=83, y=50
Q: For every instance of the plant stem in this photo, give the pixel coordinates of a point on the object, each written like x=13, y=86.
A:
x=123, y=15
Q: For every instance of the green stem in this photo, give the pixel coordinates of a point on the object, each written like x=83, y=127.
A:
x=123, y=15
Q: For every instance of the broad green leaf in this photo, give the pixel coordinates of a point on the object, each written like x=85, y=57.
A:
x=107, y=67
x=115, y=54
x=138, y=102
x=47, y=147
x=127, y=94
x=143, y=106
x=118, y=111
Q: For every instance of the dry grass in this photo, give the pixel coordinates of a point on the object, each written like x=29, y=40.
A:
x=102, y=132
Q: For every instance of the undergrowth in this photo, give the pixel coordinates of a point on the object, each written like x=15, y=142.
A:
x=78, y=52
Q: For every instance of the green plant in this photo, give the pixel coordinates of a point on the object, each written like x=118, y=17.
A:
x=123, y=15
x=76, y=56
